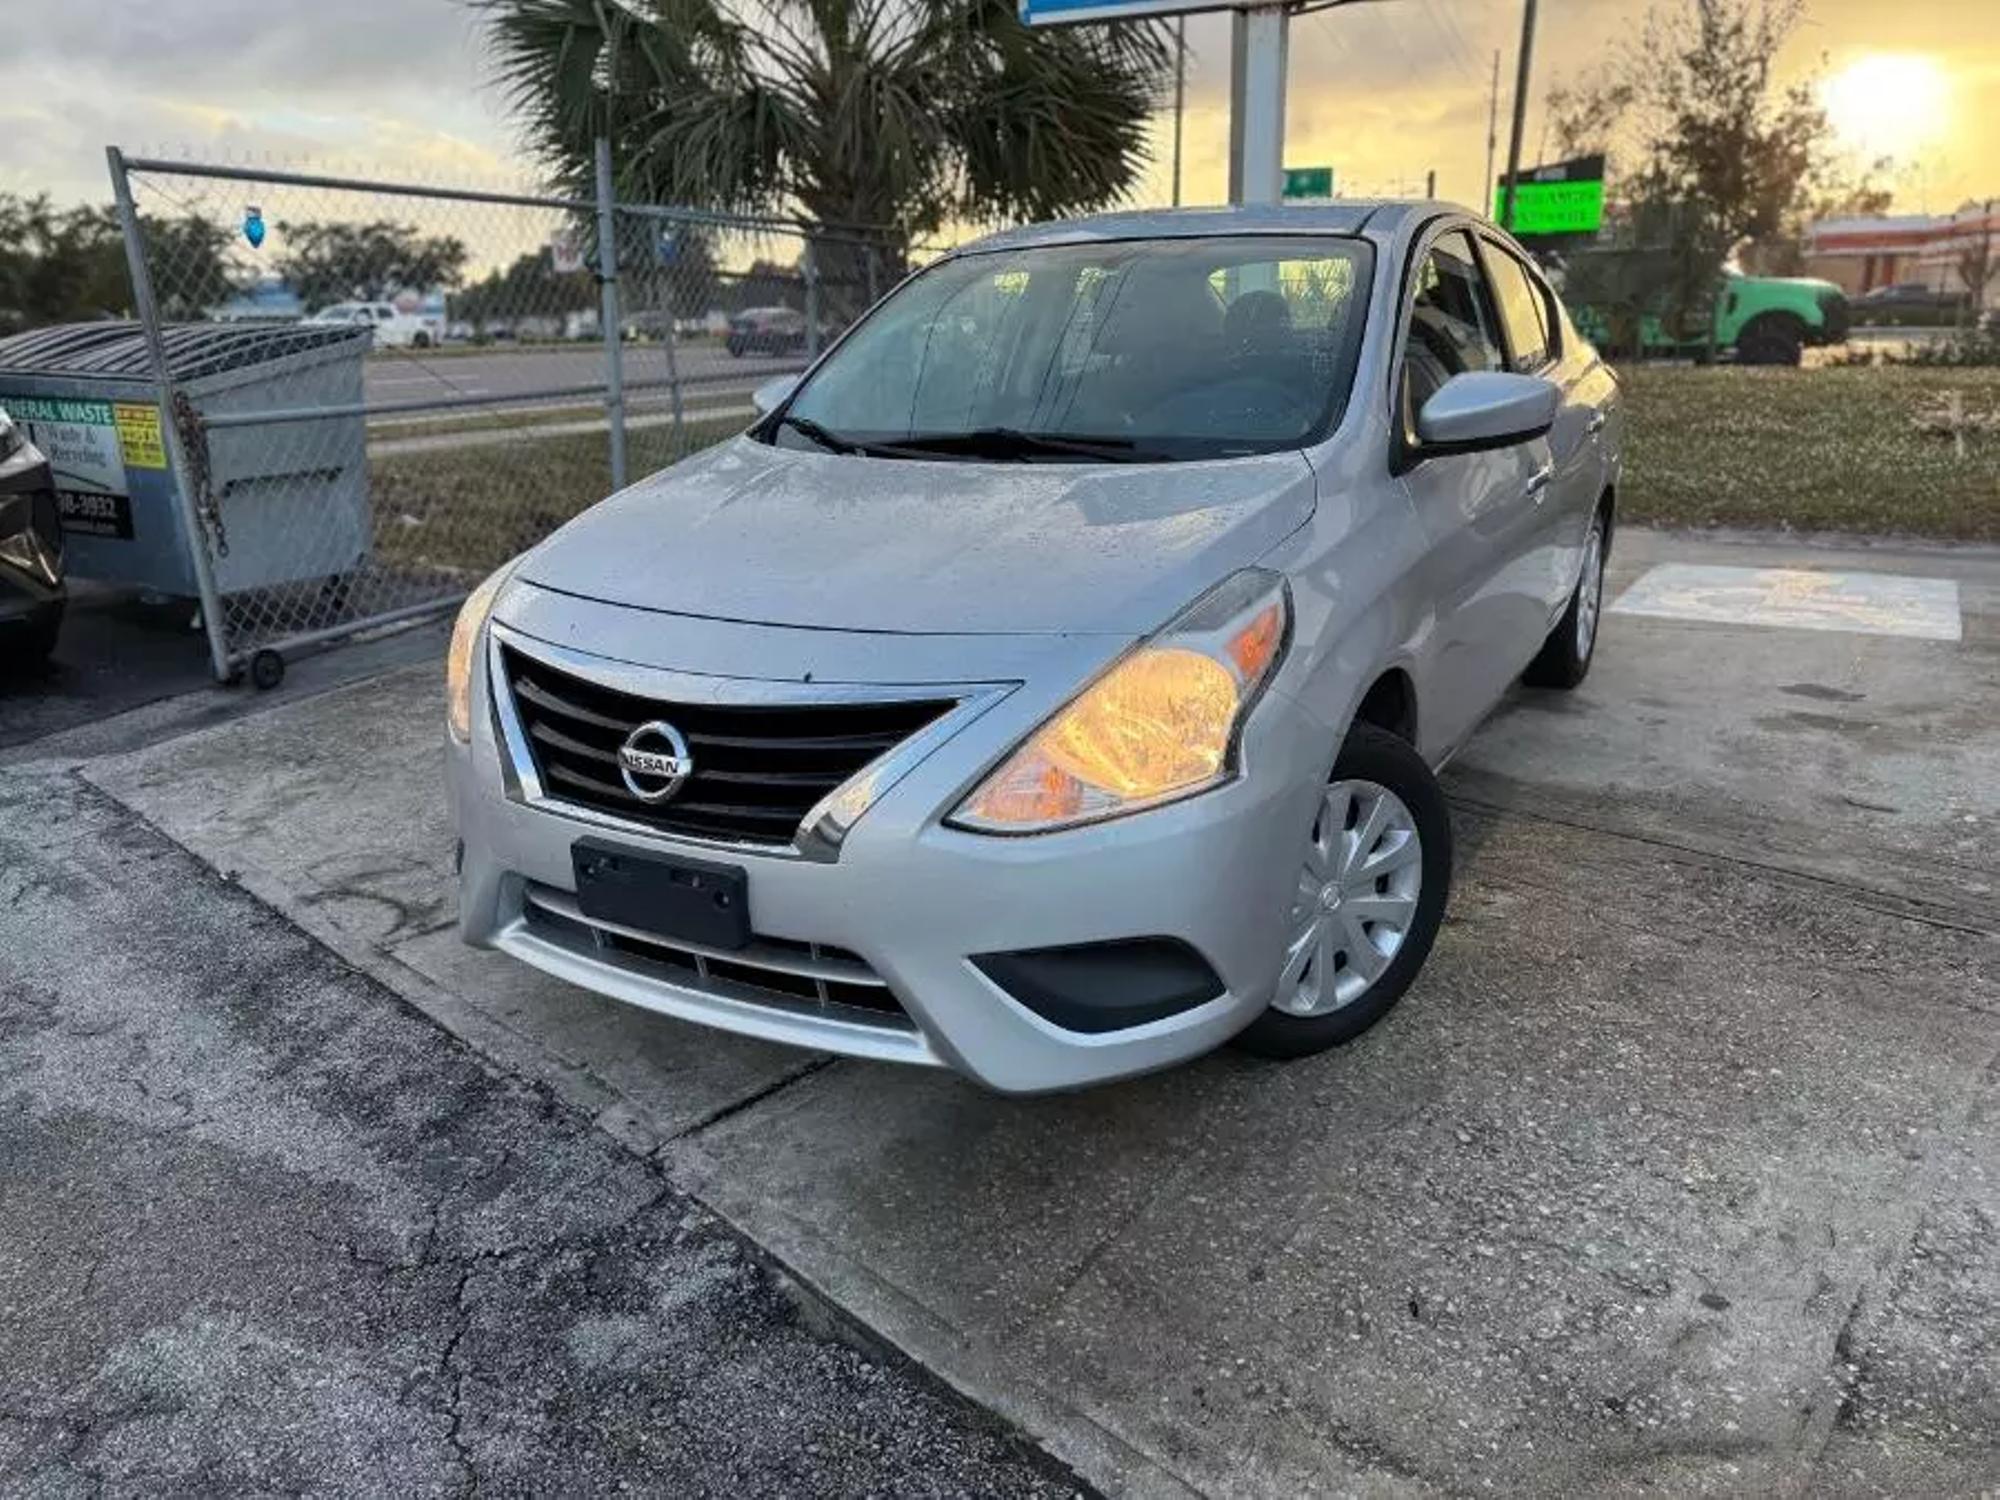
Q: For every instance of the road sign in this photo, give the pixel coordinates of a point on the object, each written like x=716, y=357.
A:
x=1075, y=12
x=1565, y=197
x=1308, y=183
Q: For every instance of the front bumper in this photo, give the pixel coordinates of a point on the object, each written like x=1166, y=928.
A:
x=906, y=903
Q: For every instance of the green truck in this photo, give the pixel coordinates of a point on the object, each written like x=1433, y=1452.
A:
x=1765, y=320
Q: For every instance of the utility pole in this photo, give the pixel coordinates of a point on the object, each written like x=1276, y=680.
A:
x=1431, y=183
x=1521, y=72
x=1180, y=97
x=1985, y=263
x=1492, y=132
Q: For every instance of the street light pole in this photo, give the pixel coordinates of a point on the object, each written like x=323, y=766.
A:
x=1180, y=97
x=1521, y=72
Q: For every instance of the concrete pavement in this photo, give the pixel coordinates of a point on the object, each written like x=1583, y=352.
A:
x=1679, y=1168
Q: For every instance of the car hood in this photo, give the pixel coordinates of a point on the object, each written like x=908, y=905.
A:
x=767, y=535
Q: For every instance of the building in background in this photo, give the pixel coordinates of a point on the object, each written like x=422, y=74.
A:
x=1861, y=254
x=265, y=301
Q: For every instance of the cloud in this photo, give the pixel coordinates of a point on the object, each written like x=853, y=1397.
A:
x=401, y=88
x=374, y=86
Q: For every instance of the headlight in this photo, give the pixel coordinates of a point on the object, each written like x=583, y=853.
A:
x=458, y=661
x=1160, y=725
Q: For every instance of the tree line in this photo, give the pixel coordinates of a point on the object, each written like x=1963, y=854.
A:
x=1710, y=158
x=68, y=265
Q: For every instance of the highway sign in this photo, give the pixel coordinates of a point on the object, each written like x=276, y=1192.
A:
x=1308, y=183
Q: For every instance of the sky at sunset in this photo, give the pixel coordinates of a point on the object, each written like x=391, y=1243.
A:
x=1382, y=91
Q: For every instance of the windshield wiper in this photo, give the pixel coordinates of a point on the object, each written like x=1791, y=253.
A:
x=1011, y=442
x=981, y=442
x=826, y=437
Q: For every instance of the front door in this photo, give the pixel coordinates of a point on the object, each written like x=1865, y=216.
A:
x=1569, y=500
x=1487, y=572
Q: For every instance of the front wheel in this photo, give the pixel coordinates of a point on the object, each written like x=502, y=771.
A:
x=31, y=643
x=1368, y=900
x=1771, y=341
x=1564, y=659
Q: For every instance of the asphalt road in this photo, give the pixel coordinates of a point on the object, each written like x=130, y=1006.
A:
x=264, y=1229
x=421, y=375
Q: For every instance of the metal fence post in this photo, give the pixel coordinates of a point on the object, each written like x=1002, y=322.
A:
x=149, y=320
x=809, y=267
x=674, y=384
x=607, y=316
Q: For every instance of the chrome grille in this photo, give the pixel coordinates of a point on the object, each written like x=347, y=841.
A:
x=815, y=978
x=758, y=768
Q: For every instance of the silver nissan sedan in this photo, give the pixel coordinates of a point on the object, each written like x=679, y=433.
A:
x=1050, y=683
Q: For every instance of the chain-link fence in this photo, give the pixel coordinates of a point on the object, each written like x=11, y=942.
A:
x=447, y=374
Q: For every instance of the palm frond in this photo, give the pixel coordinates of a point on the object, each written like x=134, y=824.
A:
x=857, y=112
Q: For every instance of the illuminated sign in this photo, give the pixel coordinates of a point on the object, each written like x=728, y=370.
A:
x=1566, y=197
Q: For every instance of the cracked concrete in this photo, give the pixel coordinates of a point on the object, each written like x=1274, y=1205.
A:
x=263, y=1229
x=1674, y=1173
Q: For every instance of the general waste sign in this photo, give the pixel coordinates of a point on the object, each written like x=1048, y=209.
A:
x=89, y=446
x=1565, y=197
x=1308, y=182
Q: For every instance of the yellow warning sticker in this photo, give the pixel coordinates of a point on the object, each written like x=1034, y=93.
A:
x=139, y=435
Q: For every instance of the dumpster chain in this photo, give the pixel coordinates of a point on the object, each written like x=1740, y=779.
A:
x=194, y=443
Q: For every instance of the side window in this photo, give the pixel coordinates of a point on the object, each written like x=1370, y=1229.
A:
x=1523, y=309
x=1453, y=327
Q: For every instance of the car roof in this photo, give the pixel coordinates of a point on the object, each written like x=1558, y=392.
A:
x=1379, y=218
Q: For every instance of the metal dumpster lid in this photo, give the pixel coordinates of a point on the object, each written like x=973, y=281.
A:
x=115, y=349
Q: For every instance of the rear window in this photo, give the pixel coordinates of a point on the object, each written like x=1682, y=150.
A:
x=1523, y=310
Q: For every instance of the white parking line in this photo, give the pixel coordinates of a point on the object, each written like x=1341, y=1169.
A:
x=1797, y=599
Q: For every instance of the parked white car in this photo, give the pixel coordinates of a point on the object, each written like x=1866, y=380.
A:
x=393, y=328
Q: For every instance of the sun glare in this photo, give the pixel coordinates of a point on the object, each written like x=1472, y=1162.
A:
x=1888, y=104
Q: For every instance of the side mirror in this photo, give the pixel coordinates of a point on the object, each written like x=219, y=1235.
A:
x=771, y=395
x=1487, y=409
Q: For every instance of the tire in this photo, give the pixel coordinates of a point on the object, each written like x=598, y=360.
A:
x=1565, y=657
x=1369, y=757
x=29, y=645
x=421, y=341
x=267, y=670
x=1771, y=341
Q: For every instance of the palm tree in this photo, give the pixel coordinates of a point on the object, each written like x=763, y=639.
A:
x=850, y=113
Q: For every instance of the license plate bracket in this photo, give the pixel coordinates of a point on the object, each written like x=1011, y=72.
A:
x=694, y=900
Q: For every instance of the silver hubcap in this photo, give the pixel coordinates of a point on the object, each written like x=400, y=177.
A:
x=1356, y=900
x=1590, y=592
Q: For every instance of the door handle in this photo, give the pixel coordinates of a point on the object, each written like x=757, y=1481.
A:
x=1596, y=424
x=1538, y=483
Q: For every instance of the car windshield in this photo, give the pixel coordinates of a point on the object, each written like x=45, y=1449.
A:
x=1143, y=350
